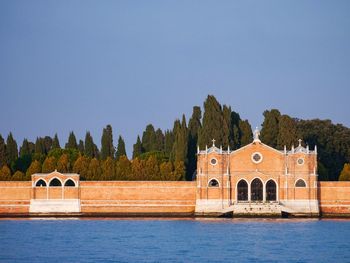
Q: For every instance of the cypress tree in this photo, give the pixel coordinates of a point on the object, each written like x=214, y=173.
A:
x=345, y=173
x=159, y=144
x=168, y=142
x=181, y=141
x=235, y=132
x=25, y=148
x=270, y=127
x=212, y=123
x=47, y=141
x=194, y=126
x=89, y=146
x=49, y=165
x=56, y=142
x=3, y=157
x=39, y=146
x=246, y=134
x=11, y=149
x=120, y=148
x=149, y=142
x=287, y=133
x=137, y=148
x=107, y=148
x=81, y=146
x=227, y=129
x=72, y=141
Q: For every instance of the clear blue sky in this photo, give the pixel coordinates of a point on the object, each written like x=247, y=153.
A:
x=79, y=65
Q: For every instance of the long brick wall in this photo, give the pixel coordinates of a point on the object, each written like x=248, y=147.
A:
x=119, y=197
x=334, y=198
x=149, y=197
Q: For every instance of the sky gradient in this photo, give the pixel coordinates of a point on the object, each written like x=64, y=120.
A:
x=79, y=65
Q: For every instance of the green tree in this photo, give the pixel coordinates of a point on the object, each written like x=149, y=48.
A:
x=47, y=142
x=25, y=148
x=5, y=173
x=22, y=163
x=11, y=149
x=120, y=148
x=169, y=139
x=212, y=123
x=181, y=141
x=55, y=142
x=149, y=142
x=72, y=141
x=227, y=127
x=270, y=127
x=159, y=143
x=90, y=147
x=81, y=147
x=246, y=133
x=287, y=132
x=34, y=168
x=194, y=126
x=345, y=173
x=39, y=146
x=3, y=157
x=137, y=148
x=107, y=148
x=49, y=165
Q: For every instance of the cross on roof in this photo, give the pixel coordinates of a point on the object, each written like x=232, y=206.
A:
x=300, y=140
x=213, y=140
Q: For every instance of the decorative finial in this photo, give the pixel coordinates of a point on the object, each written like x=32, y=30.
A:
x=256, y=135
x=197, y=148
x=300, y=140
x=213, y=140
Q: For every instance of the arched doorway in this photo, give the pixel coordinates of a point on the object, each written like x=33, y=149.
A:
x=271, y=191
x=256, y=190
x=242, y=191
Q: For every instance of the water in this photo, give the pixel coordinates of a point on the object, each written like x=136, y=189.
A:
x=175, y=240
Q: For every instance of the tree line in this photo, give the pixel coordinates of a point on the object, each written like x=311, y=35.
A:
x=171, y=154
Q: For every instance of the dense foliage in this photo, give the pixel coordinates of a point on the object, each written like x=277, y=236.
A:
x=171, y=154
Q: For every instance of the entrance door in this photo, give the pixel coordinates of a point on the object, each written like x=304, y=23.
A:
x=256, y=190
x=271, y=191
x=242, y=191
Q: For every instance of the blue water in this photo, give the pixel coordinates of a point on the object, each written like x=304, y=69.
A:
x=180, y=240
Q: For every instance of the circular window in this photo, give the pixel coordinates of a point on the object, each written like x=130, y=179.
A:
x=257, y=157
x=300, y=161
x=213, y=161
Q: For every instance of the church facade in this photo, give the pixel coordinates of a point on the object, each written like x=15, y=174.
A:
x=257, y=179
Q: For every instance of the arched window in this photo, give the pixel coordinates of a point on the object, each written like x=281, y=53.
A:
x=41, y=182
x=300, y=183
x=257, y=190
x=69, y=183
x=271, y=191
x=213, y=183
x=242, y=191
x=55, y=182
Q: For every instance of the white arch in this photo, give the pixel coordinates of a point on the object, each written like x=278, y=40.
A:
x=57, y=179
x=75, y=183
x=214, y=178
x=298, y=179
x=38, y=181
